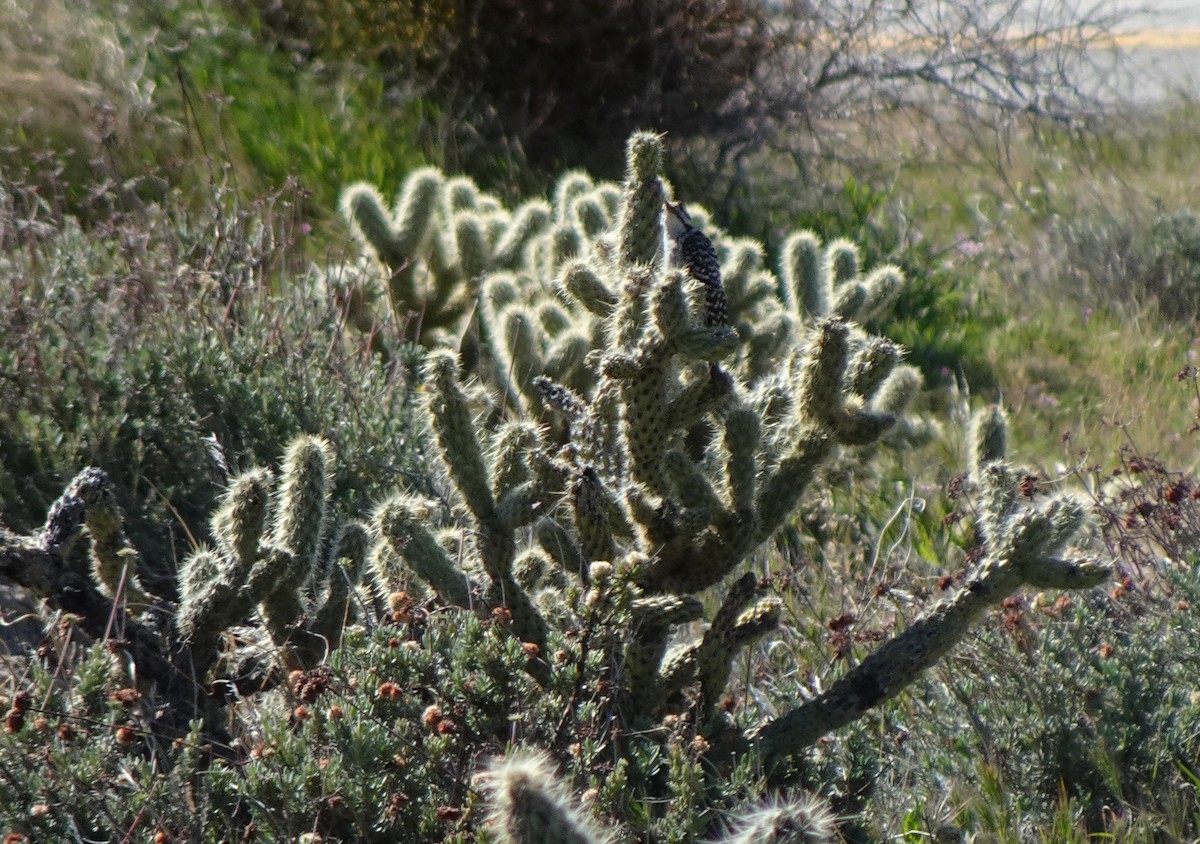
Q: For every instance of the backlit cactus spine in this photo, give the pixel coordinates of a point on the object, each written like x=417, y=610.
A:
x=799, y=819
x=397, y=237
x=528, y=805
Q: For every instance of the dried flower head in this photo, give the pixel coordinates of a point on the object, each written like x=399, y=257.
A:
x=431, y=716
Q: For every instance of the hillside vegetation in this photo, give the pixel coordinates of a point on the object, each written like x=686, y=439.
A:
x=381, y=458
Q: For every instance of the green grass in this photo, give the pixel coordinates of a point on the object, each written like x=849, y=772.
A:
x=1060, y=253
x=272, y=118
x=111, y=105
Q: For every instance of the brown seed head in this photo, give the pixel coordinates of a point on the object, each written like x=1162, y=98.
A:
x=125, y=697
x=431, y=716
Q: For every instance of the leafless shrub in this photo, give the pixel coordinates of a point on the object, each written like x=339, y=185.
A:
x=861, y=82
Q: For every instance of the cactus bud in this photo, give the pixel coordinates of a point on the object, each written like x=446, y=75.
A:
x=472, y=245
x=239, y=521
x=988, y=437
x=841, y=261
x=882, y=285
x=571, y=185
x=587, y=288
x=641, y=227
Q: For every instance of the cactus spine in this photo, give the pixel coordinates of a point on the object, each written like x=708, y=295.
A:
x=800, y=819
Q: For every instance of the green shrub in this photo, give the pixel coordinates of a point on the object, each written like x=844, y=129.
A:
x=1078, y=714
x=1133, y=257
x=138, y=347
x=393, y=33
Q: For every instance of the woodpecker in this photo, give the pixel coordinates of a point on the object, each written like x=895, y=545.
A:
x=695, y=253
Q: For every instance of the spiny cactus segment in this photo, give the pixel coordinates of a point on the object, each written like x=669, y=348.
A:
x=273, y=552
x=799, y=819
x=530, y=806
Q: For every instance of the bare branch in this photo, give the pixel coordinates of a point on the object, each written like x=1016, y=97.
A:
x=837, y=66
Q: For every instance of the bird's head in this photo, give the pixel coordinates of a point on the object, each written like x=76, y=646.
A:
x=679, y=222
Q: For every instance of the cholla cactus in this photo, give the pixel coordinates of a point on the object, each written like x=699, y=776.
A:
x=672, y=462
x=530, y=292
x=80, y=563
x=80, y=555
x=1024, y=546
x=113, y=561
x=502, y=498
x=271, y=553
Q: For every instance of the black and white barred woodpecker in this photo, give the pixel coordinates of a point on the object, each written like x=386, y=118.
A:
x=695, y=253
